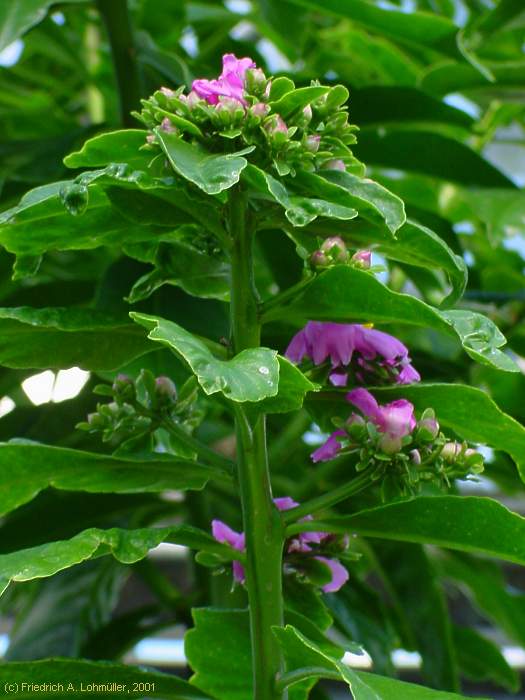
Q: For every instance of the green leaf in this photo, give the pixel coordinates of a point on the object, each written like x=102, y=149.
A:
x=481, y=660
x=345, y=294
x=220, y=635
x=67, y=609
x=293, y=387
x=18, y=16
x=454, y=522
x=211, y=173
x=371, y=200
x=415, y=29
x=298, y=99
x=429, y=153
x=80, y=674
x=299, y=210
x=127, y=546
x=180, y=264
x=62, y=338
x=470, y=412
x=112, y=147
x=424, y=608
x=251, y=375
x=414, y=245
x=310, y=663
x=27, y=469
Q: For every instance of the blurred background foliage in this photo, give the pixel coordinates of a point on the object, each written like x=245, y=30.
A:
x=437, y=88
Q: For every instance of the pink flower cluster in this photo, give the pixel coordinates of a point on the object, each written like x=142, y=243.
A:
x=340, y=342
x=301, y=543
x=394, y=420
x=230, y=83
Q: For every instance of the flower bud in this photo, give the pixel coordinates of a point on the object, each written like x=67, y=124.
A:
x=335, y=164
x=450, y=451
x=167, y=92
x=260, y=109
x=335, y=248
x=356, y=427
x=307, y=114
x=165, y=389
x=255, y=81
x=123, y=388
x=428, y=429
x=318, y=260
x=474, y=461
x=167, y=126
x=362, y=260
x=389, y=444
x=415, y=456
x=311, y=143
x=276, y=130
x=96, y=421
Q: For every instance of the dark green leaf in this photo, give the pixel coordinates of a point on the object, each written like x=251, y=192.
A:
x=481, y=660
x=27, y=469
x=17, y=16
x=211, y=173
x=251, y=375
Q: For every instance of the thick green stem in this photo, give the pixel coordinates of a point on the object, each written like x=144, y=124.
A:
x=116, y=18
x=326, y=500
x=262, y=522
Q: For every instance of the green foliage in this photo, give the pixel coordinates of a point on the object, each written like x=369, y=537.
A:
x=221, y=228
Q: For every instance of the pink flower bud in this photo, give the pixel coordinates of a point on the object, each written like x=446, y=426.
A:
x=389, y=444
x=307, y=113
x=362, y=259
x=255, y=81
x=336, y=249
x=319, y=259
x=312, y=143
x=336, y=164
x=260, y=109
x=167, y=92
x=450, y=451
x=167, y=126
x=166, y=388
x=428, y=429
x=415, y=456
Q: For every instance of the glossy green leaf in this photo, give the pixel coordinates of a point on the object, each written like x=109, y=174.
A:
x=74, y=677
x=481, y=660
x=470, y=412
x=454, y=522
x=310, y=663
x=298, y=99
x=251, y=375
x=414, y=245
x=371, y=200
x=127, y=546
x=345, y=294
x=180, y=264
x=210, y=172
x=429, y=153
x=299, y=210
x=27, y=469
x=112, y=147
x=293, y=387
x=62, y=338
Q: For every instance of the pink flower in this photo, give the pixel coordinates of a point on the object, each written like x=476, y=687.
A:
x=339, y=575
x=224, y=534
x=329, y=449
x=395, y=419
x=378, y=353
x=230, y=83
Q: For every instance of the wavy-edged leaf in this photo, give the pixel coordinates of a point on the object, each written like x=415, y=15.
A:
x=310, y=663
x=212, y=173
x=293, y=387
x=298, y=209
x=346, y=294
x=71, y=674
x=27, y=469
x=112, y=147
x=62, y=338
x=127, y=546
x=372, y=200
x=251, y=375
x=466, y=523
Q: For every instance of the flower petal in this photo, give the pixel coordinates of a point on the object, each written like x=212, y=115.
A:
x=339, y=575
x=329, y=449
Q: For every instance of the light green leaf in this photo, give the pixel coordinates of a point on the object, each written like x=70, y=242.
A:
x=373, y=201
x=297, y=99
x=345, y=294
x=251, y=375
x=80, y=674
x=62, y=338
x=306, y=662
x=469, y=523
x=127, y=546
x=293, y=387
x=112, y=147
x=210, y=172
x=27, y=469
